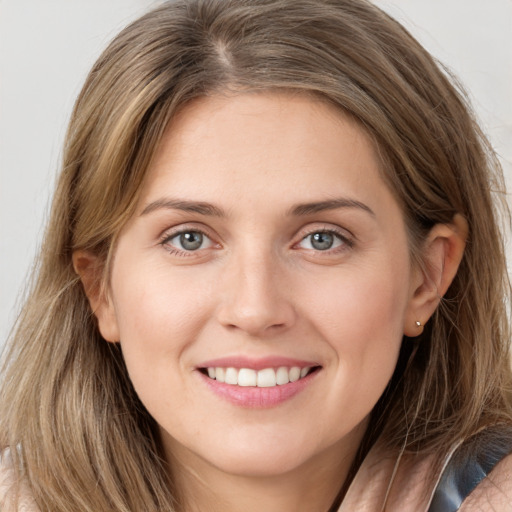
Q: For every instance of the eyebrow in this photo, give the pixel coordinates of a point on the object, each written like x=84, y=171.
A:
x=204, y=208
x=186, y=206
x=331, y=204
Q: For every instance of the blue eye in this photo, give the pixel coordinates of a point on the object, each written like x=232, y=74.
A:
x=322, y=241
x=188, y=241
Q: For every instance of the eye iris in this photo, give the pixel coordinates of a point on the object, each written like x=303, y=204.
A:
x=191, y=241
x=322, y=241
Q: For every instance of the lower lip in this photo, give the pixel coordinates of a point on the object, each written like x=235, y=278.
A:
x=258, y=398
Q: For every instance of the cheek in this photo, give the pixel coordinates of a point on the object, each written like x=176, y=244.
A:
x=366, y=304
x=155, y=305
x=158, y=320
x=362, y=323
x=159, y=316
x=361, y=316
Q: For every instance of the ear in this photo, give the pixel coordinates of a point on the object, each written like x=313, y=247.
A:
x=442, y=254
x=89, y=268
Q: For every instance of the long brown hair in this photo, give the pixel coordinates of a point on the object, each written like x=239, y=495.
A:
x=68, y=413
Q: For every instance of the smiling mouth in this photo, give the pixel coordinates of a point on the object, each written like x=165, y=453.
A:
x=265, y=378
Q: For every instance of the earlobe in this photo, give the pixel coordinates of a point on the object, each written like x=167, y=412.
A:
x=442, y=254
x=89, y=268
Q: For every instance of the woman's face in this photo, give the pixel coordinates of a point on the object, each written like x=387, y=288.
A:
x=266, y=249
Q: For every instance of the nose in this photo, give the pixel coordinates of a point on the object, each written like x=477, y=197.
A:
x=255, y=297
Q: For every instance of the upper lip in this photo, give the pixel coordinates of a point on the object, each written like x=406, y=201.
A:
x=256, y=363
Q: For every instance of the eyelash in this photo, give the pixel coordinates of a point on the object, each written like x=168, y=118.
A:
x=167, y=237
x=346, y=241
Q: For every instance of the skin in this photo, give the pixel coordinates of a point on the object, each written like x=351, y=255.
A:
x=258, y=287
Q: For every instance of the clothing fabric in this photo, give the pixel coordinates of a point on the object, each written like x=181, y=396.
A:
x=382, y=485
x=470, y=464
x=7, y=480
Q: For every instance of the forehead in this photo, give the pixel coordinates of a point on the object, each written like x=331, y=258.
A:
x=264, y=148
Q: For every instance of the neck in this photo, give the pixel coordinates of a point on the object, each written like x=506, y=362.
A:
x=311, y=487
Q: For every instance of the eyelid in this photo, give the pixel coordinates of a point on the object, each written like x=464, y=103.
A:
x=175, y=231
x=347, y=238
x=344, y=235
x=184, y=227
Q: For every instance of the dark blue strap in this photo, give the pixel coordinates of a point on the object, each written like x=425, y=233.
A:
x=469, y=465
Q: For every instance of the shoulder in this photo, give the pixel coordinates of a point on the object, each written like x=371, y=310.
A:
x=388, y=481
x=478, y=476
x=494, y=493
x=474, y=475
x=13, y=497
x=7, y=480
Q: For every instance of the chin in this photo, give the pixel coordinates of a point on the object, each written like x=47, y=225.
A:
x=260, y=462
x=247, y=453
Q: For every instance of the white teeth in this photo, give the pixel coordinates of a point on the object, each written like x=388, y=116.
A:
x=269, y=377
x=266, y=378
x=231, y=376
x=294, y=374
x=247, y=377
x=220, y=374
x=282, y=376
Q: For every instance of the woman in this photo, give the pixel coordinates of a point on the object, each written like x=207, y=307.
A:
x=272, y=278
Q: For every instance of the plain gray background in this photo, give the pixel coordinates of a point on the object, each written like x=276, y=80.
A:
x=48, y=46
